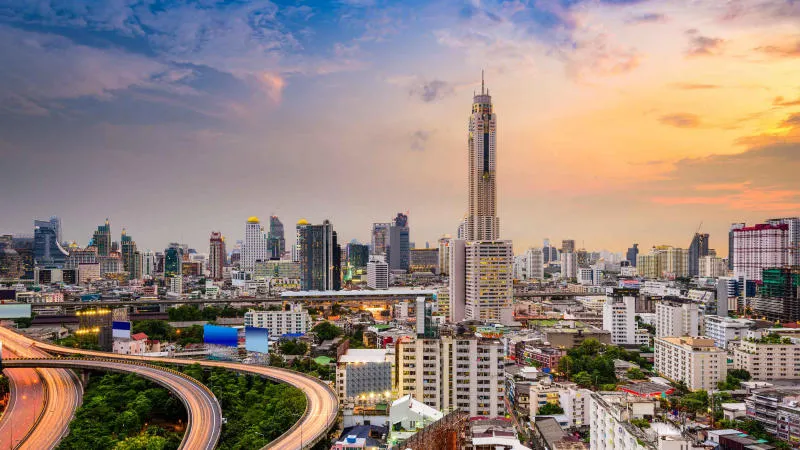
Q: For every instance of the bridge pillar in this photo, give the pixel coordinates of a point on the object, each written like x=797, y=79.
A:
x=162, y=308
x=85, y=377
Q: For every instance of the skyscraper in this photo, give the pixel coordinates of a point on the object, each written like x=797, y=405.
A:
x=254, y=247
x=759, y=247
x=568, y=246
x=380, y=238
x=277, y=242
x=482, y=221
x=793, y=248
x=731, y=243
x=102, y=239
x=633, y=252
x=47, y=251
x=55, y=223
x=129, y=256
x=399, y=246
x=173, y=260
x=481, y=269
x=697, y=249
x=320, y=256
x=216, y=255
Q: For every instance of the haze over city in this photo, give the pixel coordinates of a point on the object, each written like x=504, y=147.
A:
x=618, y=121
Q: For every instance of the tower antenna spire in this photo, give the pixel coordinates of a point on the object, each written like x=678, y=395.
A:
x=482, y=90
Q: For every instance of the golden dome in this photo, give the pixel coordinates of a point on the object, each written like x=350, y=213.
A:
x=302, y=222
x=253, y=219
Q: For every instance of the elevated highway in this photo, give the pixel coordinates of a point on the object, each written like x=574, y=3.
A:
x=204, y=422
x=321, y=402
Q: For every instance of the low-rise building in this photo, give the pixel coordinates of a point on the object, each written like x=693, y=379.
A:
x=770, y=357
x=364, y=375
x=725, y=330
x=293, y=320
x=694, y=360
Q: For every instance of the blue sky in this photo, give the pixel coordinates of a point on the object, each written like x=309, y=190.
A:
x=178, y=118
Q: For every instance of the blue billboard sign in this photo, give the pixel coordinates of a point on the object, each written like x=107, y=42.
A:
x=256, y=339
x=213, y=334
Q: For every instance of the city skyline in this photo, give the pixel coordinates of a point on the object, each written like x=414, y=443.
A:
x=173, y=134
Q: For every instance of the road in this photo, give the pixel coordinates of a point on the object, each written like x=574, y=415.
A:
x=64, y=394
x=322, y=404
x=205, y=414
x=24, y=405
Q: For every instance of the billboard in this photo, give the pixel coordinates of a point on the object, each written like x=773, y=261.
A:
x=15, y=310
x=121, y=330
x=256, y=339
x=213, y=334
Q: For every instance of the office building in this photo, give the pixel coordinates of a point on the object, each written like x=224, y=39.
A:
x=292, y=320
x=619, y=316
x=216, y=255
x=47, y=251
x=276, y=243
x=357, y=255
x=677, y=318
x=697, y=249
x=453, y=371
x=148, y=264
x=380, y=238
x=173, y=260
x=102, y=239
x=255, y=246
x=424, y=260
x=568, y=246
x=534, y=263
x=664, y=261
x=364, y=375
x=377, y=275
x=489, y=289
x=277, y=268
x=779, y=296
x=713, y=267
x=759, y=247
x=632, y=253
x=398, y=248
x=444, y=254
x=482, y=223
x=769, y=357
x=724, y=330
x=694, y=360
x=320, y=256
x=793, y=229
x=130, y=256
x=569, y=265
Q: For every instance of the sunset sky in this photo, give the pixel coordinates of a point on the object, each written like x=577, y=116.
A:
x=619, y=121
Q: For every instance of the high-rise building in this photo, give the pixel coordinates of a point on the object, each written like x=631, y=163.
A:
x=779, y=297
x=130, y=256
x=357, y=255
x=47, y=251
x=568, y=246
x=677, y=318
x=663, y=261
x=380, y=238
x=277, y=241
x=148, y=264
x=694, y=360
x=482, y=221
x=398, y=247
x=731, y=243
x=697, y=249
x=489, y=281
x=102, y=239
x=377, y=275
x=569, y=265
x=444, y=254
x=713, y=267
x=255, y=245
x=534, y=263
x=216, y=255
x=457, y=280
x=619, y=316
x=173, y=260
x=632, y=253
x=423, y=260
x=759, y=247
x=55, y=223
x=793, y=249
x=320, y=256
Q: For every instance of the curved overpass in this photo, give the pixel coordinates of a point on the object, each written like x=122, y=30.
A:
x=42, y=392
x=322, y=405
x=205, y=414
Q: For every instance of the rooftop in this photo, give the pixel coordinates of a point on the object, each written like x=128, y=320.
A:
x=360, y=293
x=363, y=356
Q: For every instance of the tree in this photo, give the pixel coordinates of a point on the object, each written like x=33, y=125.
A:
x=290, y=347
x=583, y=379
x=740, y=374
x=184, y=313
x=636, y=374
x=142, y=442
x=327, y=331
x=549, y=409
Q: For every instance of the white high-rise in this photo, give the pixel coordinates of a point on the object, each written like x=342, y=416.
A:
x=482, y=221
x=489, y=281
x=255, y=246
x=760, y=247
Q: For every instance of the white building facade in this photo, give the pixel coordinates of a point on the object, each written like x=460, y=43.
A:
x=295, y=320
x=694, y=360
x=255, y=246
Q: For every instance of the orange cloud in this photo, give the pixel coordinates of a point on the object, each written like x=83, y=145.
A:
x=273, y=85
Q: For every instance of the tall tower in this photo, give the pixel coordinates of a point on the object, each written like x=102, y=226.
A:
x=320, y=256
x=277, y=242
x=102, y=239
x=130, y=256
x=216, y=255
x=482, y=221
x=254, y=247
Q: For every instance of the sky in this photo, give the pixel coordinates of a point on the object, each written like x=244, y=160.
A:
x=619, y=121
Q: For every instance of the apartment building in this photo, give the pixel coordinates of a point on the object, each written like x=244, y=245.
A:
x=778, y=411
x=725, y=330
x=364, y=374
x=295, y=319
x=453, y=371
x=619, y=316
x=677, y=318
x=694, y=360
x=770, y=357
